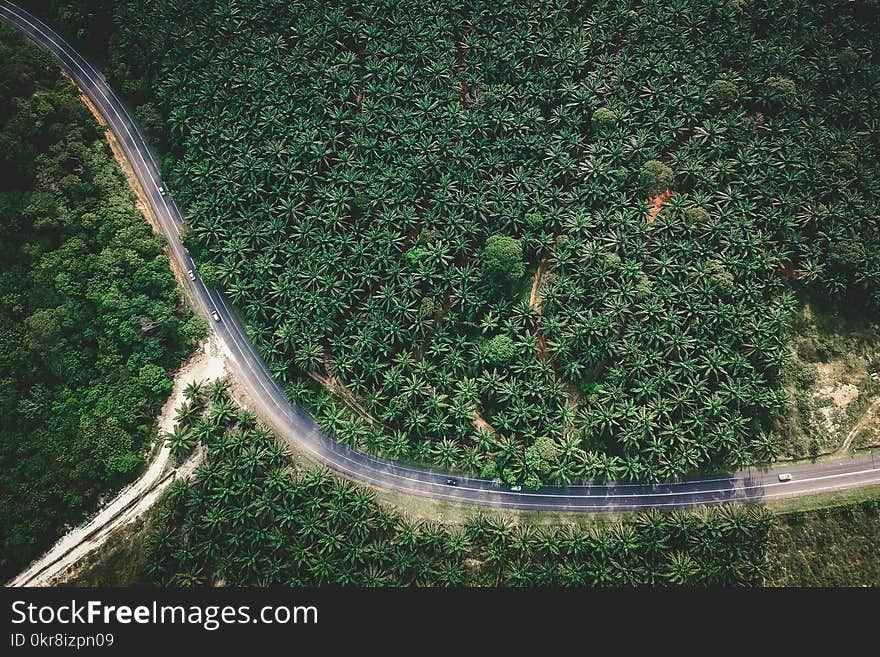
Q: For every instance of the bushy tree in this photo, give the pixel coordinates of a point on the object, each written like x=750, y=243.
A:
x=780, y=89
x=697, y=215
x=427, y=308
x=503, y=256
x=501, y=350
x=603, y=120
x=655, y=177
x=192, y=243
x=208, y=274
x=723, y=91
x=846, y=57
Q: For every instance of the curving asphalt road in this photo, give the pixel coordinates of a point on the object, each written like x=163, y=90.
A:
x=300, y=430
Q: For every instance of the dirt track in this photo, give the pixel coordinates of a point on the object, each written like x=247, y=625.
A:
x=207, y=364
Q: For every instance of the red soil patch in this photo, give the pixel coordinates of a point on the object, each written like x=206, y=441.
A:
x=657, y=204
x=791, y=273
x=480, y=423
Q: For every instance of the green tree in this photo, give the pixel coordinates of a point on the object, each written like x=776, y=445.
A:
x=724, y=92
x=209, y=275
x=154, y=380
x=655, y=177
x=501, y=350
x=503, y=256
x=780, y=89
x=603, y=120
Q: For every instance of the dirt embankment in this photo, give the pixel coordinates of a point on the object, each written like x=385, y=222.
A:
x=141, y=202
x=122, y=160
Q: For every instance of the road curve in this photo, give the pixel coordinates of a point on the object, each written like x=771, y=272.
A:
x=301, y=431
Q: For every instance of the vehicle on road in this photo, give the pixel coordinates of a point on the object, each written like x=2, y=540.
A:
x=516, y=489
x=191, y=274
x=162, y=190
x=451, y=482
x=785, y=476
x=215, y=315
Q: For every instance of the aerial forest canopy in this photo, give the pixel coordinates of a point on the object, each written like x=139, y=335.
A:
x=247, y=517
x=534, y=240
x=91, y=322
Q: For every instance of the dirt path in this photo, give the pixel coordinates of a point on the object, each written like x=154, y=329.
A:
x=867, y=417
x=337, y=387
x=207, y=364
x=480, y=423
x=535, y=304
x=534, y=299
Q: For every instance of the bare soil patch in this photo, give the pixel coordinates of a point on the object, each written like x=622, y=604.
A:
x=535, y=304
x=657, y=203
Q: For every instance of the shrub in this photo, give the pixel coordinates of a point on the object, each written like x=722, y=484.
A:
x=427, y=308
x=780, y=90
x=613, y=261
x=847, y=254
x=490, y=470
x=547, y=448
x=846, y=159
x=604, y=120
x=644, y=286
x=655, y=177
x=208, y=274
x=723, y=91
x=806, y=375
x=501, y=350
x=360, y=203
x=735, y=7
x=503, y=256
x=697, y=215
x=721, y=278
x=846, y=58
x=192, y=243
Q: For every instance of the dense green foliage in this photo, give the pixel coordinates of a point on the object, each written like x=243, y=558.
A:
x=248, y=517
x=344, y=165
x=503, y=257
x=603, y=120
x=839, y=546
x=90, y=318
x=656, y=177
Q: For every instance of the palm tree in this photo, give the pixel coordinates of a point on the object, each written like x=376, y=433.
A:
x=180, y=441
x=681, y=568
